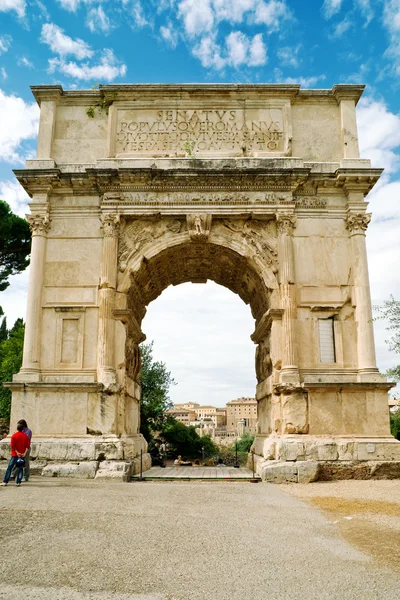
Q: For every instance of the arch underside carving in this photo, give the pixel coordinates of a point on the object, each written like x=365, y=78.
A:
x=238, y=255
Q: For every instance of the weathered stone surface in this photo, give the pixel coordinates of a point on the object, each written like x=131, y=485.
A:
x=269, y=213
x=307, y=471
x=385, y=470
x=83, y=470
x=330, y=471
x=114, y=471
x=278, y=472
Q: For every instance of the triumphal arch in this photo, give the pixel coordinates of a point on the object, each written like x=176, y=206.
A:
x=257, y=187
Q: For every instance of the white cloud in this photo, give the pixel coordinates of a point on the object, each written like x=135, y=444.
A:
x=366, y=10
x=197, y=15
x=289, y=56
x=97, y=20
x=306, y=82
x=239, y=50
x=169, y=35
x=18, y=122
x=138, y=15
x=272, y=13
x=257, y=52
x=5, y=43
x=62, y=44
x=24, y=62
x=70, y=5
x=341, y=27
x=331, y=7
x=211, y=361
x=14, y=194
x=391, y=20
x=18, y=5
x=3, y=73
x=106, y=70
x=379, y=134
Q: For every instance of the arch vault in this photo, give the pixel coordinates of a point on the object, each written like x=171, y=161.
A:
x=257, y=187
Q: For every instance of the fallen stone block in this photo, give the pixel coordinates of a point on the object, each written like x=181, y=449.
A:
x=307, y=471
x=114, y=470
x=279, y=472
x=82, y=470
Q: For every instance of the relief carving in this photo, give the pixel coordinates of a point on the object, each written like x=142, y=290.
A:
x=260, y=235
x=263, y=361
x=133, y=362
x=137, y=233
x=199, y=226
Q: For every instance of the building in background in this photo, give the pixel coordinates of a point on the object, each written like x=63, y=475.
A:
x=239, y=410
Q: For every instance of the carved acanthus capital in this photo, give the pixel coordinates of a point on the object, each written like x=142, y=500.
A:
x=358, y=222
x=286, y=222
x=199, y=226
x=110, y=224
x=39, y=224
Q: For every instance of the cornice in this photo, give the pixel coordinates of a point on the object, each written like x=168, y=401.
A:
x=201, y=90
x=298, y=185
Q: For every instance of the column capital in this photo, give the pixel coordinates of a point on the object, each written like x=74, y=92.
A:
x=286, y=222
x=110, y=223
x=39, y=224
x=357, y=223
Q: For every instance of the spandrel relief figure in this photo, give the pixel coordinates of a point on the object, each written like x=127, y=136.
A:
x=133, y=362
x=263, y=361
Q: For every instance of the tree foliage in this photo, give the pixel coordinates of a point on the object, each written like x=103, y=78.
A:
x=10, y=363
x=245, y=443
x=395, y=423
x=156, y=381
x=15, y=244
x=390, y=312
x=185, y=440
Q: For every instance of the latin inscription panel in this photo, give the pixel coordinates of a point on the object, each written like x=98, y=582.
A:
x=203, y=132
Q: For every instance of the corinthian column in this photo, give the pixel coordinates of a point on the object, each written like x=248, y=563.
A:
x=357, y=224
x=286, y=223
x=39, y=225
x=108, y=283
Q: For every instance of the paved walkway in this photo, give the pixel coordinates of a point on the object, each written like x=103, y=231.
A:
x=184, y=540
x=224, y=473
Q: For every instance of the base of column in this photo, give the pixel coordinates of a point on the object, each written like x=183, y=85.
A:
x=307, y=458
x=91, y=457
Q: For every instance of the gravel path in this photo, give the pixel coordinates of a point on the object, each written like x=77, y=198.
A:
x=84, y=540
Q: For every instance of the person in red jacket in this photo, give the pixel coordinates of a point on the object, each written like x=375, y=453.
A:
x=20, y=444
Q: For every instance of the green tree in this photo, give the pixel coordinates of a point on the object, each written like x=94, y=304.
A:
x=15, y=244
x=244, y=444
x=390, y=312
x=156, y=381
x=10, y=363
x=395, y=423
x=185, y=440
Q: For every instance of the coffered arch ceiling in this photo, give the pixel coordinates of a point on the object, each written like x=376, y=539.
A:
x=197, y=262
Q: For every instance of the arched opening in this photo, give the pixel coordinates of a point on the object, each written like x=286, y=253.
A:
x=227, y=257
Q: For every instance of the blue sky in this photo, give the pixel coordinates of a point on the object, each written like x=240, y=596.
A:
x=318, y=43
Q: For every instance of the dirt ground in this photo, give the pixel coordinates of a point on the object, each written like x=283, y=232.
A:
x=367, y=513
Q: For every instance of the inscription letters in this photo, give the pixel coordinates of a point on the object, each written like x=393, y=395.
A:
x=172, y=131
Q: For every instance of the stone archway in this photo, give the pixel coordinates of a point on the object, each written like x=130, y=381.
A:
x=270, y=202
x=156, y=253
